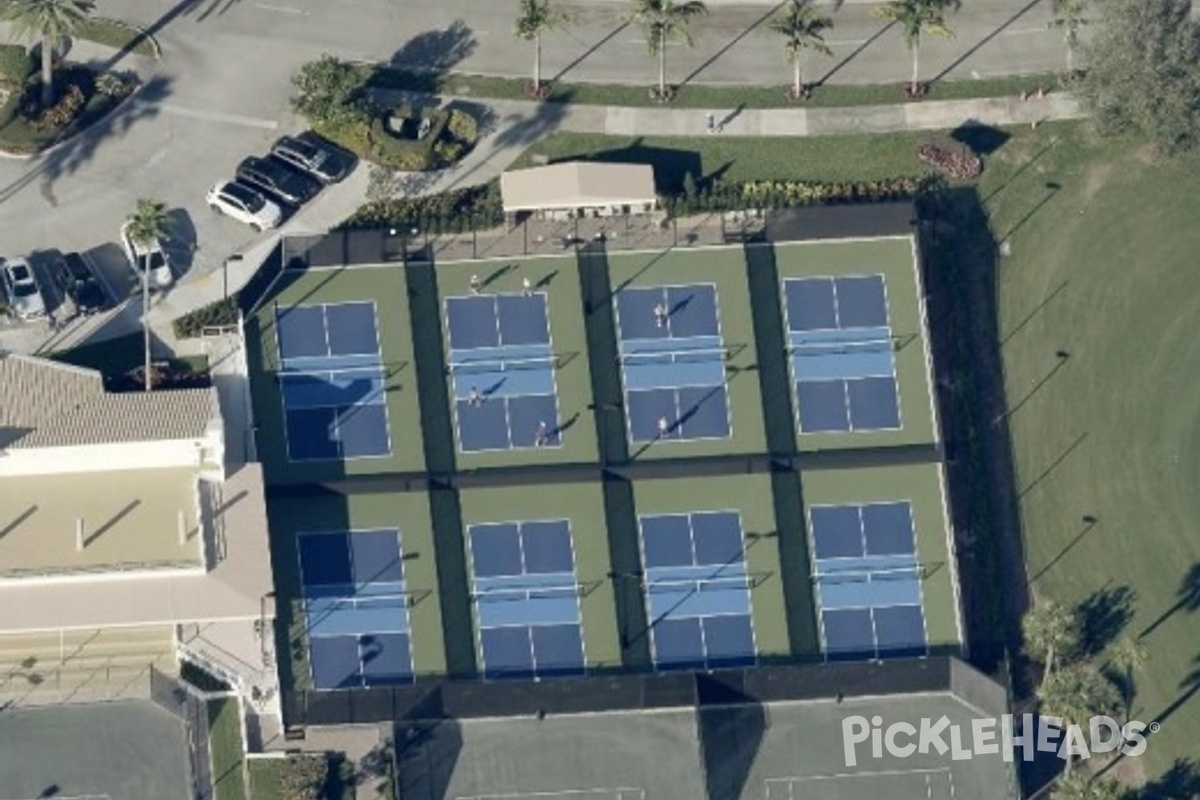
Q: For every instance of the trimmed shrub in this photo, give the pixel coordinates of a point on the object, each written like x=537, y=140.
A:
x=463, y=127
x=15, y=66
x=216, y=314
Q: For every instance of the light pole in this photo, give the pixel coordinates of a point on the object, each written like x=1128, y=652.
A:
x=145, y=318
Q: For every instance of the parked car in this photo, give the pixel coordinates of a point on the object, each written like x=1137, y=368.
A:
x=77, y=283
x=245, y=204
x=149, y=258
x=24, y=294
x=315, y=156
x=278, y=180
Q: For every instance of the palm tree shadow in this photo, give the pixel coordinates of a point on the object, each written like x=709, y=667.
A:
x=1102, y=616
x=68, y=157
x=1188, y=599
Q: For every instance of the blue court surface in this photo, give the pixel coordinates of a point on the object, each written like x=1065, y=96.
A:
x=673, y=363
x=526, y=599
x=868, y=580
x=502, y=369
x=843, y=365
x=356, y=606
x=332, y=382
x=697, y=590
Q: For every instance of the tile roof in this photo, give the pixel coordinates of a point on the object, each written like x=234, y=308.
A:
x=47, y=404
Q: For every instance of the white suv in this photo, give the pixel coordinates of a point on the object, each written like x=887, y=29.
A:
x=244, y=204
x=149, y=257
x=22, y=289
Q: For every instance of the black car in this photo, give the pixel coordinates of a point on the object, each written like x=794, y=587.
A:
x=278, y=180
x=310, y=153
x=78, y=284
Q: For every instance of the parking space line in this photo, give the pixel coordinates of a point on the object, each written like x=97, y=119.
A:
x=215, y=116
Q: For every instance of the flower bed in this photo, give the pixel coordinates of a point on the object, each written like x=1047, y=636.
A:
x=82, y=97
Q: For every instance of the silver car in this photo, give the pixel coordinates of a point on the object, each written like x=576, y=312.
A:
x=22, y=289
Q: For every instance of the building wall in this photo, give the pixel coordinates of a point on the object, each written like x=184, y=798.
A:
x=109, y=457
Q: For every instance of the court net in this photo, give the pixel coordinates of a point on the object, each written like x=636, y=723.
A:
x=665, y=358
x=492, y=366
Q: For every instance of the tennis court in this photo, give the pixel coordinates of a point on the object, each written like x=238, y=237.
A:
x=356, y=606
x=697, y=590
x=932, y=784
x=841, y=354
x=526, y=598
x=331, y=379
x=673, y=363
x=867, y=580
x=502, y=368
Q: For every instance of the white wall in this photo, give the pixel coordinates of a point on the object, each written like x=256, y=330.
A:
x=110, y=457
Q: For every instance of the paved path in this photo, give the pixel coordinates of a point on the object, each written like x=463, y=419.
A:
x=519, y=124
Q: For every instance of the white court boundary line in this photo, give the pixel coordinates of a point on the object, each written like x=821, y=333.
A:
x=617, y=792
x=790, y=782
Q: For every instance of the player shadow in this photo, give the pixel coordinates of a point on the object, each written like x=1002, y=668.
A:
x=681, y=305
x=497, y=275
x=570, y=422
x=546, y=280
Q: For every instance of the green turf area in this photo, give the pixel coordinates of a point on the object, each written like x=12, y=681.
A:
x=895, y=259
x=558, y=278
x=119, y=36
x=386, y=287
x=921, y=486
x=266, y=778
x=1102, y=267
x=407, y=513
x=583, y=506
x=706, y=95
x=750, y=496
x=226, y=749
x=861, y=157
x=725, y=269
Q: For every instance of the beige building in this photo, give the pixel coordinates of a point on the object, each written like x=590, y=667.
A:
x=125, y=542
x=578, y=189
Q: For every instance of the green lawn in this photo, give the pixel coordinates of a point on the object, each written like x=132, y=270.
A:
x=226, y=749
x=815, y=158
x=701, y=95
x=266, y=778
x=1102, y=268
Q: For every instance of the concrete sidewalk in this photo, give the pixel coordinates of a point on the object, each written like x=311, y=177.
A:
x=516, y=125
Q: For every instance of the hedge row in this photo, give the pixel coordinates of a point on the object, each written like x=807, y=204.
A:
x=480, y=207
x=216, y=314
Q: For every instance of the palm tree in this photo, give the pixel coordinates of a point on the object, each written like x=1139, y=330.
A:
x=1128, y=656
x=51, y=20
x=802, y=29
x=916, y=17
x=1068, y=17
x=149, y=223
x=1050, y=632
x=662, y=21
x=535, y=18
x=1077, y=692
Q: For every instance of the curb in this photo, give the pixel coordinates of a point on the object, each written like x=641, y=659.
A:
x=138, y=32
x=5, y=154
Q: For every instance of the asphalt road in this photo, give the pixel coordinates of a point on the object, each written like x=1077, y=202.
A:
x=221, y=91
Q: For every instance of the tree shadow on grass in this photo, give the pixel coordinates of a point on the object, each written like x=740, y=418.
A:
x=1180, y=782
x=1187, y=599
x=1102, y=616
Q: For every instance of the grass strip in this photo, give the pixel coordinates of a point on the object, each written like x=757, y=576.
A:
x=228, y=753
